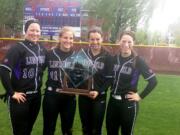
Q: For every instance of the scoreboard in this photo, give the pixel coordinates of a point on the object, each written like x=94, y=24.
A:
x=53, y=14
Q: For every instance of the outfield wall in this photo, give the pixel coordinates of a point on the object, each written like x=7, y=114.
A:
x=161, y=59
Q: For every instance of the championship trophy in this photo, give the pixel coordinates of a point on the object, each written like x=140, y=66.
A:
x=78, y=71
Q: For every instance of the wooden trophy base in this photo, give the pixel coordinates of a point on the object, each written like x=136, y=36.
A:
x=74, y=91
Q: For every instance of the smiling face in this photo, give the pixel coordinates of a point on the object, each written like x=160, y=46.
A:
x=33, y=32
x=95, y=40
x=66, y=41
x=126, y=43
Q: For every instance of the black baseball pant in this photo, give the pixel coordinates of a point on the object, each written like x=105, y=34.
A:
x=121, y=114
x=92, y=114
x=54, y=104
x=23, y=115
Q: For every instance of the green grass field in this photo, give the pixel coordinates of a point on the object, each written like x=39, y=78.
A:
x=159, y=113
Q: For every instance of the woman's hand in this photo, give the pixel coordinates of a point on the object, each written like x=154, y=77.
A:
x=132, y=96
x=19, y=96
x=93, y=94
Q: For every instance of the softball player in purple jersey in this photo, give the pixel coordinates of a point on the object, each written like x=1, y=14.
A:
x=21, y=74
x=56, y=103
x=123, y=104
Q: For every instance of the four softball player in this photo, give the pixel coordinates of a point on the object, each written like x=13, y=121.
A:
x=21, y=75
x=123, y=104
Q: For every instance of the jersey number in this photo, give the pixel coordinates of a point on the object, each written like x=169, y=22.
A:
x=53, y=75
x=28, y=73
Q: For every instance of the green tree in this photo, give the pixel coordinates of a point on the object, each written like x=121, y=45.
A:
x=129, y=13
x=175, y=31
x=141, y=37
x=11, y=16
x=121, y=14
x=104, y=9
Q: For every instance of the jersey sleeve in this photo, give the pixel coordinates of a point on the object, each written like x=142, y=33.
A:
x=7, y=66
x=148, y=75
x=11, y=58
x=144, y=69
x=6, y=81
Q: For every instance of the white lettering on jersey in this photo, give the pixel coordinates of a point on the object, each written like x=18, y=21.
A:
x=126, y=70
x=32, y=60
x=54, y=64
x=99, y=65
x=64, y=64
x=41, y=59
x=116, y=67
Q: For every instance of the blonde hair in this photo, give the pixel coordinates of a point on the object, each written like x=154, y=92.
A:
x=66, y=29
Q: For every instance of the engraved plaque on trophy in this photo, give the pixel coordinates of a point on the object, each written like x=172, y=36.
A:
x=78, y=71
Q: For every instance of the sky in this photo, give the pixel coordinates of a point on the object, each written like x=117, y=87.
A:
x=167, y=12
